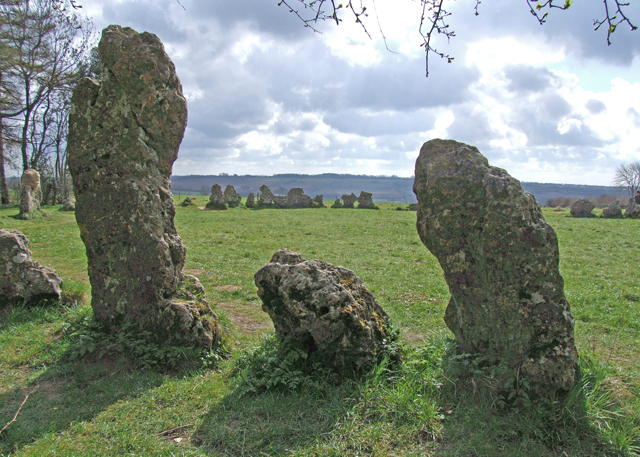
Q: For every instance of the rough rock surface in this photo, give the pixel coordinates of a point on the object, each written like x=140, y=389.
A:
x=21, y=277
x=251, y=200
x=231, y=197
x=365, y=200
x=500, y=260
x=265, y=197
x=187, y=202
x=69, y=204
x=296, y=198
x=337, y=203
x=31, y=195
x=349, y=200
x=612, y=211
x=582, y=208
x=318, y=201
x=216, y=200
x=124, y=135
x=632, y=209
x=323, y=308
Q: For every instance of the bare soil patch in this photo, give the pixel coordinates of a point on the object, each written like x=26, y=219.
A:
x=240, y=315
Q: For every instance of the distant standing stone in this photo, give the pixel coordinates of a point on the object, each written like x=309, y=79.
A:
x=337, y=203
x=31, y=194
x=318, y=201
x=265, y=197
x=251, y=200
x=21, y=277
x=124, y=135
x=582, y=208
x=500, y=260
x=325, y=309
x=612, y=211
x=349, y=200
x=632, y=209
x=365, y=200
x=216, y=200
x=187, y=202
x=296, y=198
x=231, y=197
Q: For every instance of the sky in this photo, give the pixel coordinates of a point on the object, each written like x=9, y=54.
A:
x=548, y=103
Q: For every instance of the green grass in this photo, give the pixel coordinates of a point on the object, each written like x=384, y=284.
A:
x=104, y=404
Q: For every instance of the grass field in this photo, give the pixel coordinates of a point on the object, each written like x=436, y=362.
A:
x=76, y=396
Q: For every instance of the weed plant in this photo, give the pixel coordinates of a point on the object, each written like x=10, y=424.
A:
x=79, y=392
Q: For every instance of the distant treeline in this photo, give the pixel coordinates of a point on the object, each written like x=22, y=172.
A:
x=383, y=188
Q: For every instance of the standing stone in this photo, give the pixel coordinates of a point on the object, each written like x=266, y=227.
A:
x=324, y=309
x=296, y=198
x=30, y=196
x=251, y=200
x=231, y=197
x=365, y=200
x=187, y=202
x=613, y=211
x=500, y=260
x=216, y=200
x=124, y=135
x=337, y=203
x=318, y=201
x=632, y=209
x=349, y=200
x=21, y=277
x=582, y=208
x=265, y=198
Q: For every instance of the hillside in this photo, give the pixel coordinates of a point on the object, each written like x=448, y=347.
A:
x=384, y=188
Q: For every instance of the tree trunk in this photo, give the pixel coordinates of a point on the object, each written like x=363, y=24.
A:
x=4, y=188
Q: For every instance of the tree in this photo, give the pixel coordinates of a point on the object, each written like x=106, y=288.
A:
x=433, y=20
x=628, y=176
x=49, y=44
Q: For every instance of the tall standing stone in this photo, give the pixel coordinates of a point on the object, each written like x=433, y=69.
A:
x=500, y=260
x=30, y=196
x=232, y=197
x=365, y=200
x=216, y=200
x=124, y=135
x=349, y=200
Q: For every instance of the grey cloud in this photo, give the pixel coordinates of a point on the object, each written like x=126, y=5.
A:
x=595, y=106
x=379, y=123
x=525, y=78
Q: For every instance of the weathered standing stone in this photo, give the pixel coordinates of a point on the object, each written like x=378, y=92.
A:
x=187, y=202
x=21, y=277
x=265, y=197
x=318, y=201
x=216, y=200
x=296, y=198
x=582, y=208
x=612, y=211
x=632, y=209
x=323, y=308
x=124, y=135
x=251, y=200
x=500, y=260
x=231, y=197
x=349, y=200
x=337, y=203
x=30, y=196
x=365, y=200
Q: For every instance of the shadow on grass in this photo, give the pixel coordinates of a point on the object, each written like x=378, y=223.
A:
x=272, y=423
x=52, y=392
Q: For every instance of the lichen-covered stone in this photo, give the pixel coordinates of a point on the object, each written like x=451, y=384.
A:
x=251, y=200
x=265, y=197
x=318, y=201
x=124, y=135
x=187, y=202
x=21, y=277
x=231, y=197
x=613, y=211
x=632, y=209
x=349, y=200
x=296, y=198
x=30, y=196
x=216, y=200
x=325, y=309
x=365, y=200
x=500, y=260
x=582, y=208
